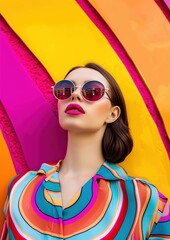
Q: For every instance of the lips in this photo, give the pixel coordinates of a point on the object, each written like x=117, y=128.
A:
x=74, y=109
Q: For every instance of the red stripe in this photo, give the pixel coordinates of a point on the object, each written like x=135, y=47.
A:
x=112, y=234
x=13, y=228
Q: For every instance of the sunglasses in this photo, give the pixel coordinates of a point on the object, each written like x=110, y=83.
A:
x=91, y=91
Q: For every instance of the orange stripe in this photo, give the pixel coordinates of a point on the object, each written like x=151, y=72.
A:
x=144, y=197
x=36, y=222
x=7, y=173
x=94, y=215
x=146, y=40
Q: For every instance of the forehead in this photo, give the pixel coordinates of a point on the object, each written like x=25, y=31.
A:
x=81, y=75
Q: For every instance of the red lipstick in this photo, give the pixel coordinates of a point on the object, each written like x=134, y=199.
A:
x=74, y=109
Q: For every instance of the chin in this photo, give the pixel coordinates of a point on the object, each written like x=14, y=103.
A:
x=71, y=125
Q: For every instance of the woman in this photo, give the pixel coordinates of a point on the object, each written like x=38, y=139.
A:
x=87, y=195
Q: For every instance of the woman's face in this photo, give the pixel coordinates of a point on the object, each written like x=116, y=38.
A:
x=93, y=116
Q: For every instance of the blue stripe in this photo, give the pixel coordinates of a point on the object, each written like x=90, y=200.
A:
x=128, y=222
x=46, y=207
x=81, y=203
x=29, y=231
x=107, y=217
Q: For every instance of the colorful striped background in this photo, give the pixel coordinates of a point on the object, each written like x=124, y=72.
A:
x=41, y=40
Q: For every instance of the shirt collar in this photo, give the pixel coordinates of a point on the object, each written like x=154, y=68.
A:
x=108, y=171
x=111, y=171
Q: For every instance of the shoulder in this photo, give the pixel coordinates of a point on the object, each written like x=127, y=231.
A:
x=25, y=178
x=146, y=194
x=148, y=191
x=150, y=197
x=21, y=178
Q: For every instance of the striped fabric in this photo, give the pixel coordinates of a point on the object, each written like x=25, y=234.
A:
x=111, y=205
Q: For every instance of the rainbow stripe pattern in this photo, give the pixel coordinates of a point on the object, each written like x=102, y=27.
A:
x=128, y=38
x=110, y=205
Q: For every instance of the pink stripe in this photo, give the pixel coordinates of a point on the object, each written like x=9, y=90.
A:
x=165, y=218
x=89, y=206
x=36, y=70
x=4, y=232
x=28, y=100
x=37, y=211
x=167, y=2
x=12, y=141
x=137, y=78
x=165, y=7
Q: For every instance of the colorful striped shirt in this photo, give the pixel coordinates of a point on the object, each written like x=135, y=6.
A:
x=111, y=205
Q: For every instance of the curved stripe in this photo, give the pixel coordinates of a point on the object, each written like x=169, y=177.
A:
x=147, y=47
x=113, y=234
x=35, y=68
x=92, y=217
x=136, y=76
x=83, y=204
x=147, y=219
x=40, y=210
x=47, y=31
x=164, y=7
x=30, y=227
x=118, y=208
x=12, y=141
x=25, y=112
x=128, y=222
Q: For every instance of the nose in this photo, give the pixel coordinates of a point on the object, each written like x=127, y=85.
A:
x=76, y=95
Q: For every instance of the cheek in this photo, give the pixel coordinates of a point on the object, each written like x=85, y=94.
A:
x=61, y=113
x=101, y=111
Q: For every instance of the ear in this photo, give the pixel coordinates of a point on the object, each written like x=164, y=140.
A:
x=114, y=114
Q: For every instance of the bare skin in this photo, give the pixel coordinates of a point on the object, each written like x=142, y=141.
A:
x=85, y=132
x=79, y=165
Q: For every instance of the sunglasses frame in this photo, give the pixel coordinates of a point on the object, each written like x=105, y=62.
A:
x=81, y=92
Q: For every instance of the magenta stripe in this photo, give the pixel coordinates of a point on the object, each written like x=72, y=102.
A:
x=28, y=100
x=167, y=2
x=165, y=218
x=129, y=64
x=35, y=208
x=89, y=206
x=165, y=7
x=36, y=70
x=12, y=141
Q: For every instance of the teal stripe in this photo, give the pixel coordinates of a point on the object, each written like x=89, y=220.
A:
x=110, y=212
x=106, y=171
x=15, y=212
x=11, y=236
x=46, y=207
x=52, y=186
x=128, y=222
x=46, y=168
x=161, y=228
x=82, y=203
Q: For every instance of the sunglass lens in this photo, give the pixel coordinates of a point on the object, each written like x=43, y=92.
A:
x=93, y=90
x=63, y=89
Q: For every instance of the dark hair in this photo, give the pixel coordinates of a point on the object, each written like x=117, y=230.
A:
x=117, y=142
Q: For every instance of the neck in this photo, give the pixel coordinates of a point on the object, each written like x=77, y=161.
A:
x=84, y=153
